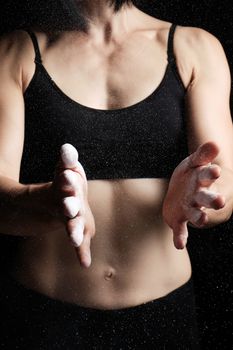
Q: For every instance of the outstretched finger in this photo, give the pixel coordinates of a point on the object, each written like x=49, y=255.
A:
x=204, y=154
x=196, y=216
x=209, y=199
x=84, y=252
x=67, y=183
x=180, y=235
x=69, y=155
x=75, y=229
x=71, y=206
x=69, y=159
x=208, y=174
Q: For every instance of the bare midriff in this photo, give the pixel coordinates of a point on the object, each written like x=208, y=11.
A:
x=134, y=259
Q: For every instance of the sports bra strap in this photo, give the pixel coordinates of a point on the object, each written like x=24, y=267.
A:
x=170, y=49
x=36, y=47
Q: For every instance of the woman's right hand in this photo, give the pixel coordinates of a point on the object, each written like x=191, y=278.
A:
x=69, y=193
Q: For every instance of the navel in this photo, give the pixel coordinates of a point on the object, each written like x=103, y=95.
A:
x=109, y=273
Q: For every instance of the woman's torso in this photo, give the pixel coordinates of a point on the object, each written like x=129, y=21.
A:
x=133, y=256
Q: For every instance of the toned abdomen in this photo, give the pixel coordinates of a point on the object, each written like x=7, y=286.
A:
x=133, y=256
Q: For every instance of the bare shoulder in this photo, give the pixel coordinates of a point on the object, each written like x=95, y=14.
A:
x=194, y=49
x=17, y=54
x=188, y=44
x=196, y=39
x=18, y=42
x=199, y=45
x=192, y=45
x=14, y=45
x=14, y=51
x=202, y=50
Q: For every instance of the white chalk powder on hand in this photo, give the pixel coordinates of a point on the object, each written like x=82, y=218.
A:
x=72, y=205
x=77, y=236
x=70, y=177
x=69, y=155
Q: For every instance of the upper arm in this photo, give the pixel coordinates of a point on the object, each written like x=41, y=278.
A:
x=11, y=106
x=208, y=97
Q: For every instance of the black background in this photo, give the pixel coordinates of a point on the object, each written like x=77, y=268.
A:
x=210, y=249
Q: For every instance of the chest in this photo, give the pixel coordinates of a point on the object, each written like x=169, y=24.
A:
x=121, y=109
x=146, y=139
x=109, y=77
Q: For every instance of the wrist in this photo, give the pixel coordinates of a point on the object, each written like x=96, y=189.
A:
x=42, y=200
x=37, y=197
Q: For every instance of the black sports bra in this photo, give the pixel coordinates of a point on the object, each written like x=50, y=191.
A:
x=144, y=140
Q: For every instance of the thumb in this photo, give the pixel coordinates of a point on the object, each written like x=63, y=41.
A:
x=204, y=154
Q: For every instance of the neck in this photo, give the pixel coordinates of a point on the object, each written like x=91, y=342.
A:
x=103, y=22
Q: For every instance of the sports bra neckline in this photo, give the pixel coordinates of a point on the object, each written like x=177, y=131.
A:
x=170, y=67
x=41, y=67
x=147, y=140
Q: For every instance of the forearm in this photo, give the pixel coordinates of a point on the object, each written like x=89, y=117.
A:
x=23, y=209
x=224, y=186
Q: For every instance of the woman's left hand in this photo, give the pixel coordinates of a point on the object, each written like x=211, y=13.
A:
x=191, y=190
